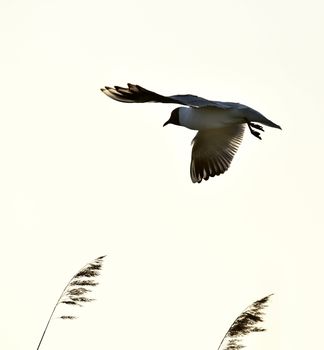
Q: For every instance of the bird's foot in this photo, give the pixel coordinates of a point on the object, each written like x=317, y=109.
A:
x=254, y=132
x=256, y=126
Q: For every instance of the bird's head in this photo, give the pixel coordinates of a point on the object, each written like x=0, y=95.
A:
x=174, y=118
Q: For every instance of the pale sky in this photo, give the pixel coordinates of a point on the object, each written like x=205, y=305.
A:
x=83, y=175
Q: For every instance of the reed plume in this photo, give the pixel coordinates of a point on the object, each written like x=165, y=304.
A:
x=248, y=321
x=76, y=291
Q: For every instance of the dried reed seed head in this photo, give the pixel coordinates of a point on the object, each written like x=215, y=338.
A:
x=75, y=296
x=68, y=317
x=87, y=273
x=84, y=283
x=78, y=291
x=246, y=323
x=82, y=299
x=69, y=302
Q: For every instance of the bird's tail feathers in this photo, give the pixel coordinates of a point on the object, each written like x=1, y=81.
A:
x=255, y=116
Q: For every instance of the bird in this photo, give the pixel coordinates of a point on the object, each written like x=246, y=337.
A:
x=220, y=126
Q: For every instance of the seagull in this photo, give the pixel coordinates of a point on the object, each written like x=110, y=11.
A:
x=220, y=126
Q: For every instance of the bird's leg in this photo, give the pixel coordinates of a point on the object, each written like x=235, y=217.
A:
x=253, y=132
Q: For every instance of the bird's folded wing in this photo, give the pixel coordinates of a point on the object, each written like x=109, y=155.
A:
x=196, y=101
x=213, y=151
x=137, y=94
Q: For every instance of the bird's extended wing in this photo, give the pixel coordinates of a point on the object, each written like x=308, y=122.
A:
x=137, y=94
x=213, y=151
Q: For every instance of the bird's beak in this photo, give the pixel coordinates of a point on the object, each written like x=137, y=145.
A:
x=166, y=123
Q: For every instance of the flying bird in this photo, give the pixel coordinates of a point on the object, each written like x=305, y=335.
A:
x=220, y=126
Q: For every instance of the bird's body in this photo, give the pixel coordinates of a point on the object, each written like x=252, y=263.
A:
x=220, y=126
x=208, y=118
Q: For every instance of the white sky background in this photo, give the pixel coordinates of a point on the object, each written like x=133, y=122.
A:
x=83, y=175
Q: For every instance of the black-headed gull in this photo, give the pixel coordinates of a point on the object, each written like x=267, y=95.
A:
x=220, y=126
